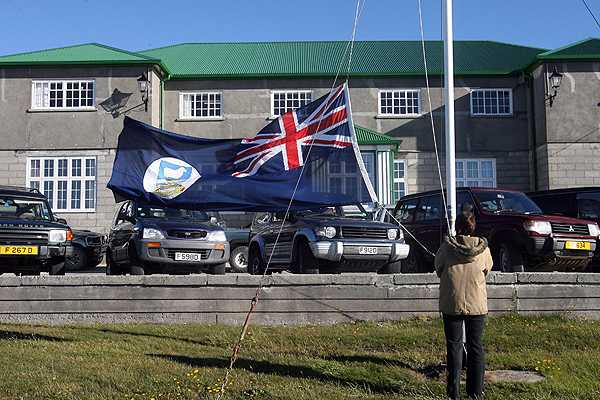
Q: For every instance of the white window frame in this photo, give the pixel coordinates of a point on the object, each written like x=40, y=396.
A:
x=184, y=116
x=64, y=83
x=479, y=179
x=69, y=178
x=286, y=93
x=380, y=112
x=396, y=180
x=490, y=114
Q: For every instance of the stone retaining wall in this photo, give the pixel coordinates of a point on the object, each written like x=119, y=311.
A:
x=286, y=299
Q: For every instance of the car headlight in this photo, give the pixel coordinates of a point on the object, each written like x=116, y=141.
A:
x=151, y=233
x=392, y=234
x=57, y=236
x=216, y=236
x=539, y=227
x=326, y=231
x=594, y=230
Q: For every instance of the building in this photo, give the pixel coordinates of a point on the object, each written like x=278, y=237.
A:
x=62, y=109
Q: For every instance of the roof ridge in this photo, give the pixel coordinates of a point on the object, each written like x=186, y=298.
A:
x=131, y=53
x=549, y=52
x=53, y=48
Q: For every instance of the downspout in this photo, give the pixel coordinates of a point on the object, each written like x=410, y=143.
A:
x=533, y=130
x=162, y=102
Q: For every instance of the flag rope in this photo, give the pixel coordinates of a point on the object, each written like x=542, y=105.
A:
x=238, y=345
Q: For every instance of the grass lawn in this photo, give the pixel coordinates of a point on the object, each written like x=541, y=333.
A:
x=348, y=361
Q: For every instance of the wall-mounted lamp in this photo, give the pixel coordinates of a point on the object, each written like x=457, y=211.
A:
x=143, y=87
x=554, y=81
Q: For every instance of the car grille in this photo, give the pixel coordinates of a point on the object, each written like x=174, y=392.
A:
x=14, y=236
x=573, y=229
x=364, y=233
x=93, y=240
x=180, y=234
x=204, y=253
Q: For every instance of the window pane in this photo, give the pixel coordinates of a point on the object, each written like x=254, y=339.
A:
x=76, y=194
x=90, y=167
x=34, y=170
x=49, y=192
x=61, y=202
x=76, y=167
x=90, y=194
x=48, y=168
x=62, y=167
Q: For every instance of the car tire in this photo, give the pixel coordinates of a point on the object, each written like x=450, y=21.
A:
x=217, y=269
x=239, y=259
x=78, y=259
x=136, y=270
x=256, y=265
x=510, y=258
x=58, y=268
x=394, y=267
x=306, y=261
x=412, y=263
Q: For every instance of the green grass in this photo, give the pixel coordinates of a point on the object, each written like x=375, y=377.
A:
x=347, y=361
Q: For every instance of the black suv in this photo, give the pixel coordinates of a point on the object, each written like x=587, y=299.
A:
x=582, y=202
x=147, y=239
x=32, y=239
x=332, y=239
x=520, y=235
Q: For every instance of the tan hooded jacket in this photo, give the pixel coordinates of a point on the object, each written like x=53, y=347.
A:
x=462, y=264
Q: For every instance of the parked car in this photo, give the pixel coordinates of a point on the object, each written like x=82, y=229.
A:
x=325, y=240
x=88, y=250
x=520, y=235
x=32, y=239
x=147, y=239
x=583, y=202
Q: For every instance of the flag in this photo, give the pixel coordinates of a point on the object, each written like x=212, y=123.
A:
x=310, y=154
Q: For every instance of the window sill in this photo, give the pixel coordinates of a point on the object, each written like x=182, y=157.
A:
x=492, y=115
x=86, y=211
x=208, y=119
x=408, y=116
x=44, y=110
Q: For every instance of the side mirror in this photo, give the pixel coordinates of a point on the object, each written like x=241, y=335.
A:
x=61, y=221
x=214, y=220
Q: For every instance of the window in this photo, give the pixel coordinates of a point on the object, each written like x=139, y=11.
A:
x=345, y=177
x=405, y=214
x=68, y=182
x=399, y=102
x=283, y=101
x=399, y=183
x=476, y=172
x=430, y=208
x=62, y=94
x=204, y=105
x=491, y=102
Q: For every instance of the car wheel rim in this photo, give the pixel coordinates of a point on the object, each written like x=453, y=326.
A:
x=240, y=260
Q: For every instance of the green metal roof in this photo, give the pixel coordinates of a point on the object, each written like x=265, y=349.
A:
x=367, y=136
x=584, y=49
x=89, y=53
x=322, y=58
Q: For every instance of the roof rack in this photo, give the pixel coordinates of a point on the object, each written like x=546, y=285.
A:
x=20, y=188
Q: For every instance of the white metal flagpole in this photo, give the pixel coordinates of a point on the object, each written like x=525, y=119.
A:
x=449, y=96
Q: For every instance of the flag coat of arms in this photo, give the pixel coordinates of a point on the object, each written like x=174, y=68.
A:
x=310, y=154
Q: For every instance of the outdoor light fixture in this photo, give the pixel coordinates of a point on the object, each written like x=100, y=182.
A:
x=555, y=79
x=143, y=86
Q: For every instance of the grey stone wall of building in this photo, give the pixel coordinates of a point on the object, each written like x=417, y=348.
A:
x=286, y=299
x=247, y=108
x=26, y=129
x=570, y=165
x=512, y=169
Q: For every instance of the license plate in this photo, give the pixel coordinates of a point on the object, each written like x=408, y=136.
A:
x=367, y=250
x=18, y=250
x=187, y=257
x=578, y=245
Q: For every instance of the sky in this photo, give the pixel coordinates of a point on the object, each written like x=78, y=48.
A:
x=29, y=25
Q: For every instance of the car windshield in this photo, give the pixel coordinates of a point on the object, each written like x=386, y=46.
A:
x=25, y=208
x=171, y=213
x=348, y=211
x=506, y=202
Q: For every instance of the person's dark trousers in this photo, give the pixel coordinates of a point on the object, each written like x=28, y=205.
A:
x=475, y=354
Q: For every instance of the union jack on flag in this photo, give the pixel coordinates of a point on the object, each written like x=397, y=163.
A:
x=320, y=123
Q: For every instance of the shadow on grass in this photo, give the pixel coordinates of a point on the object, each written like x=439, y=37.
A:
x=154, y=336
x=13, y=335
x=433, y=371
x=283, y=370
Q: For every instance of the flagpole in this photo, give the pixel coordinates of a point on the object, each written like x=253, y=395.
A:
x=449, y=123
